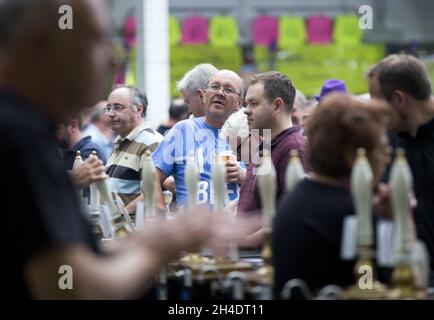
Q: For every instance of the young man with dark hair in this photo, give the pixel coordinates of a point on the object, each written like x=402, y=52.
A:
x=270, y=99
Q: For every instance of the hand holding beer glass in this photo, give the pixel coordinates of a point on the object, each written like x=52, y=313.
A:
x=234, y=172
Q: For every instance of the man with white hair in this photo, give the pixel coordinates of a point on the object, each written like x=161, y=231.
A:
x=192, y=87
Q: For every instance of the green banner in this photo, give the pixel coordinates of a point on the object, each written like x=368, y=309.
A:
x=347, y=31
x=174, y=31
x=292, y=32
x=430, y=66
x=308, y=67
x=223, y=32
x=184, y=58
x=131, y=71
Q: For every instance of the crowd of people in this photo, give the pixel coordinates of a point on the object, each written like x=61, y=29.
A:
x=44, y=95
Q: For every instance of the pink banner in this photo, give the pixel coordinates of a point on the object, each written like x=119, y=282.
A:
x=130, y=31
x=319, y=30
x=265, y=30
x=195, y=30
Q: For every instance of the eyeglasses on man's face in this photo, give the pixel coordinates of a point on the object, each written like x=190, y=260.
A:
x=228, y=90
x=116, y=108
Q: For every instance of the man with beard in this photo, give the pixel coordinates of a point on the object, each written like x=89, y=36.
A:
x=71, y=139
x=404, y=82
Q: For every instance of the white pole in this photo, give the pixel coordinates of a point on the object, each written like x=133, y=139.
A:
x=153, y=65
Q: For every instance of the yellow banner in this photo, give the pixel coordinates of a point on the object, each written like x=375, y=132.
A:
x=184, y=58
x=347, y=30
x=223, y=32
x=292, y=32
x=174, y=31
x=308, y=67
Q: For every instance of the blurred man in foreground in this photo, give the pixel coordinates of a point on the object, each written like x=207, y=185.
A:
x=46, y=76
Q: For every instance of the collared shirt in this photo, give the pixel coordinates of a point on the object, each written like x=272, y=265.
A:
x=42, y=210
x=125, y=162
x=281, y=147
x=419, y=151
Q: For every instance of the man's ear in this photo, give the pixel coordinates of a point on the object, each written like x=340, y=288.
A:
x=73, y=125
x=399, y=98
x=241, y=102
x=201, y=94
x=278, y=104
x=140, y=109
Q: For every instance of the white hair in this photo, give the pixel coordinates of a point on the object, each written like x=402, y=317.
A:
x=235, y=126
x=196, y=78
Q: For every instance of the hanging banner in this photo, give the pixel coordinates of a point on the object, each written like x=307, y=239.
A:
x=308, y=67
x=265, y=30
x=292, y=32
x=223, y=32
x=346, y=31
x=174, y=31
x=184, y=58
x=195, y=30
x=319, y=30
x=131, y=68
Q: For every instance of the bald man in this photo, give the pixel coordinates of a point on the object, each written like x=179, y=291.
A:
x=222, y=97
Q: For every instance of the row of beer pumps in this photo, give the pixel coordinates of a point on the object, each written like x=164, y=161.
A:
x=107, y=214
x=411, y=262
x=110, y=220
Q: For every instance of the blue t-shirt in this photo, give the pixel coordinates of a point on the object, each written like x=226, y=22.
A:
x=172, y=154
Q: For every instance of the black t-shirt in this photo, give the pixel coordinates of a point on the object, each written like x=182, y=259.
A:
x=419, y=151
x=307, y=236
x=86, y=146
x=162, y=129
x=40, y=208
